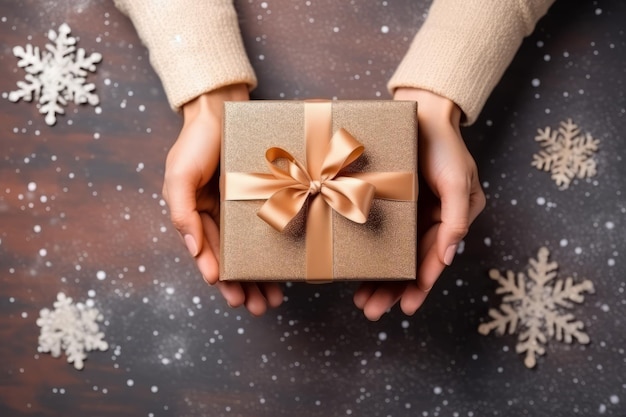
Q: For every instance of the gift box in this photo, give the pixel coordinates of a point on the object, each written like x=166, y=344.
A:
x=318, y=191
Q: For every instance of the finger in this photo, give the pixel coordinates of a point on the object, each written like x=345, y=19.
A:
x=385, y=296
x=427, y=273
x=208, y=258
x=255, y=301
x=363, y=293
x=412, y=299
x=232, y=292
x=272, y=293
x=430, y=267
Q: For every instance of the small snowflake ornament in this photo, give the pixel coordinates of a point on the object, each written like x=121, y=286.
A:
x=535, y=303
x=56, y=76
x=72, y=328
x=566, y=154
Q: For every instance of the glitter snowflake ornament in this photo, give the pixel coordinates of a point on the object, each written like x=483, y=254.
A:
x=72, y=328
x=566, y=154
x=56, y=76
x=535, y=303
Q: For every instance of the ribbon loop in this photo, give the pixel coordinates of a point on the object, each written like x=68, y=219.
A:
x=351, y=197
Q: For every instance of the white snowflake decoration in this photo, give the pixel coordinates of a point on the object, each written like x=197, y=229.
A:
x=57, y=75
x=72, y=328
x=566, y=153
x=532, y=302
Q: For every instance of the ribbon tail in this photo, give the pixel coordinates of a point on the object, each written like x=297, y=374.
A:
x=399, y=186
x=319, y=241
x=250, y=186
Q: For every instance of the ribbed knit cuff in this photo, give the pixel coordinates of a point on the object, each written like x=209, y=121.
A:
x=464, y=47
x=195, y=46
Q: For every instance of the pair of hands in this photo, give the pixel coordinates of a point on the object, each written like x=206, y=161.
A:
x=448, y=204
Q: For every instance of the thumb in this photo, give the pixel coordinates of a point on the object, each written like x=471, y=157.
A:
x=455, y=218
x=180, y=196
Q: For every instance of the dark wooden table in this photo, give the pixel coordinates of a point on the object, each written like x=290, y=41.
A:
x=81, y=213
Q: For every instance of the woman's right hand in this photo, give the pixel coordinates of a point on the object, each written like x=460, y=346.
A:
x=190, y=189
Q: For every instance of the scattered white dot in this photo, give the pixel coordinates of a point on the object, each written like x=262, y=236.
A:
x=614, y=399
x=609, y=225
x=154, y=389
x=101, y=275
x=32, y=186
x=382, y=336
x=437, y=390
x=541, y=201
x=43, y=252
x=563, y=243
x=535, y=82
x=598, y=12
x=37, y=228
x=487, y=241
x=384, y=29
x=461, y=248
x=240, y=330
x=130, y=382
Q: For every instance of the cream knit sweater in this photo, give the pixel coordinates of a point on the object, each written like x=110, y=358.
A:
x=460, y=52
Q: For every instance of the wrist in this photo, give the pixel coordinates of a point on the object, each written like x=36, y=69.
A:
x=212, y=103
x=430, y=105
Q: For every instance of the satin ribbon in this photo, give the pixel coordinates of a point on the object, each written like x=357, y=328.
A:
x=322, y=183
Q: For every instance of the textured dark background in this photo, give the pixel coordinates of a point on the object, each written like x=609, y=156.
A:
x=177, y=349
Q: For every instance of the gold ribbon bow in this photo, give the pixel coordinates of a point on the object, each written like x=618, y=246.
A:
x=322, y=183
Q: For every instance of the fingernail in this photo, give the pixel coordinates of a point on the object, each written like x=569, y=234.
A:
x=448, y=257
x=190, y=242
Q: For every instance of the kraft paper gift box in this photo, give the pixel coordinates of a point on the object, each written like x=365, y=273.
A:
x=318, y=191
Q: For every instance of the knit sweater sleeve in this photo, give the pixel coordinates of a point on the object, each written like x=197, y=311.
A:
x=464, y=46
x=195, y=46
